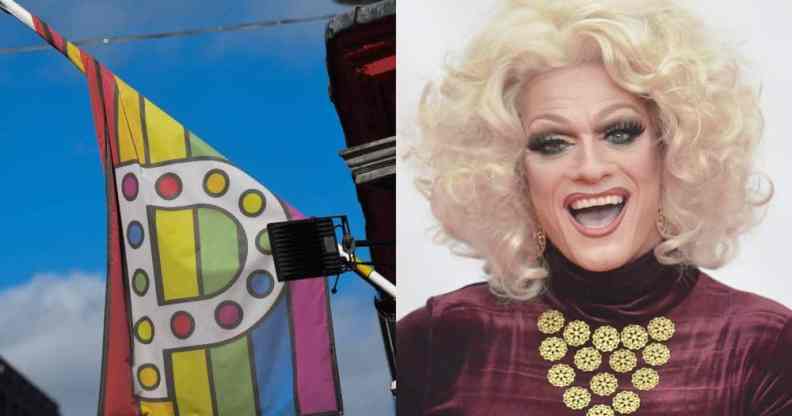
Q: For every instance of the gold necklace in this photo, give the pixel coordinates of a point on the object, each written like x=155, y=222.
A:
x=562, y=336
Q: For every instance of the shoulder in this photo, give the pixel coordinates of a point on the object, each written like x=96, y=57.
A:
x=472, y=296
x=463, y=317
x=762, y=331
x=760, y=319
x=441, y=330
x=736, y=303
x=466, y=302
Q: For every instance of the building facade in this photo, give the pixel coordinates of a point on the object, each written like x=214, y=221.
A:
x=361, y=65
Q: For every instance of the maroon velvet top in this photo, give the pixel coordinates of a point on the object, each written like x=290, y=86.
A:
x=470, y=353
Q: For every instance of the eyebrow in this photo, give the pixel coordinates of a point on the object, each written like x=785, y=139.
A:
x=608, y=110
x=601, y=114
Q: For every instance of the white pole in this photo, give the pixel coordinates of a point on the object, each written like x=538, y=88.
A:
x=382, y=283
x=19, y=12
x=377, y=279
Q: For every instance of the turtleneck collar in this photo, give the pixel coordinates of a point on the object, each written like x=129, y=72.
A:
x=636, y=291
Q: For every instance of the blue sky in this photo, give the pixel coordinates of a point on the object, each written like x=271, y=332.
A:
x=258, y=97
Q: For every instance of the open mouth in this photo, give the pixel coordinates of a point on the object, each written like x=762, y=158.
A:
x=599, y=215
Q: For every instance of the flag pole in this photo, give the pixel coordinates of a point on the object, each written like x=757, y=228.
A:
x=14, y=9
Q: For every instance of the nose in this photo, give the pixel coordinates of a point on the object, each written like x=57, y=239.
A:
x=593, y=165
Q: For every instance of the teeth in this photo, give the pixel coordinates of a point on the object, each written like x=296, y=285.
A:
x=593, y=202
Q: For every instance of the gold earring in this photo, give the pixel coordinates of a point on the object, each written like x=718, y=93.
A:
x=663, y=227
x=541, y=242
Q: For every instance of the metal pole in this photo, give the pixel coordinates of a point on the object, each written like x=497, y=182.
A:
x=368, y=273
x=386, y=310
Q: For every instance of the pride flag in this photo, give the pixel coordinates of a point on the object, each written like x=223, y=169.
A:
x=196, y=322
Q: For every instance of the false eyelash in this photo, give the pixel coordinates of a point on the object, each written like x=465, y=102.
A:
x=632, y=127
x=538, y=142
x=535, y=143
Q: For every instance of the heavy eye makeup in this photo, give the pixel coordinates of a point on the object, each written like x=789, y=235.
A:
x=549, y=143
x=624, y=131
x=621, y=132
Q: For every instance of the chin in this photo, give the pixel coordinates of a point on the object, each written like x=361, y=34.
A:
x=600, y=259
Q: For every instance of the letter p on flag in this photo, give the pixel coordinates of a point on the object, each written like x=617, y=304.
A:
x=196, y=321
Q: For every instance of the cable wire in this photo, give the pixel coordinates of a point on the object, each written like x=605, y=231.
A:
x=239, y=27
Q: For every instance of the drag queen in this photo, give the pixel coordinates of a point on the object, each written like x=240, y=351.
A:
x=595, y=154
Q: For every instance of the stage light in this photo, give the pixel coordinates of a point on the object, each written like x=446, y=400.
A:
x=305, y=248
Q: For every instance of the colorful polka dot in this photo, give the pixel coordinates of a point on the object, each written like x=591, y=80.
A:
x=148, y=376
x=263, y=242
x=228, y=314
x=140, y=282
x=169, y=186
x=252, y=203
x=135, y=234
x=216, y=182
x=129, y=186
x=182, y=324
x=144, y=330
x=260, y=283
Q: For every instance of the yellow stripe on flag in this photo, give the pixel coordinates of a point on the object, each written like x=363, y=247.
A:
x=74, y=55
x=130, y=132
x=166, y=138
x=191, y=383
x=176, y=247
x=156, y=408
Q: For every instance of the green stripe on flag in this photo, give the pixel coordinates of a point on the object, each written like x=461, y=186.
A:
x=199, y=148
x=233, y=379
x=220, y=249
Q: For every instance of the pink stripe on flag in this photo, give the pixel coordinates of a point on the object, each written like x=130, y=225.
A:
x=315, y=364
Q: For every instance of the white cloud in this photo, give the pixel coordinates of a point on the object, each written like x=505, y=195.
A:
x=52, y=333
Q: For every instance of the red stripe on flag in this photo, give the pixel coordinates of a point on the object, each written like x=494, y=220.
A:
x=96, y=105
x=110, y=91
x=40, y=28
x=52, y=37
x=57, y=40
x=116, y=395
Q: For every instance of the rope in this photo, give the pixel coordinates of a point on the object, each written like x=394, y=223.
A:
x=239, y=27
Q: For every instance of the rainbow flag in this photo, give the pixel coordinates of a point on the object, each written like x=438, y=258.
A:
x=196, y=321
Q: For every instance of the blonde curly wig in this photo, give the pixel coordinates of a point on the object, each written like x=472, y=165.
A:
x=707, y=114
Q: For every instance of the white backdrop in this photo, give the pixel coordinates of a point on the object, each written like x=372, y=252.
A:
x=428, y=31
